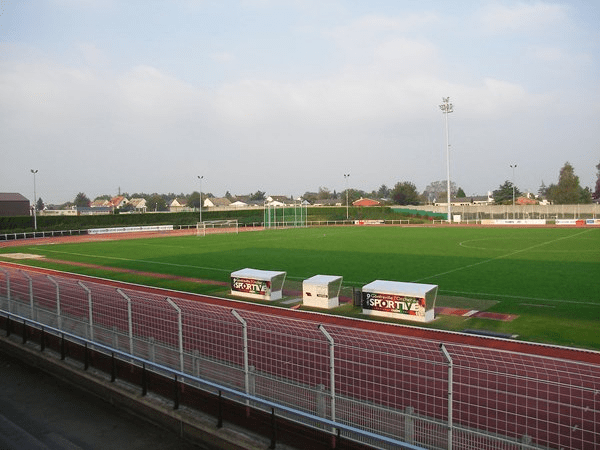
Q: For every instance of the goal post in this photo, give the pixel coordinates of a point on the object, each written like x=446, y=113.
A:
x=217, y=226
x=285, y=216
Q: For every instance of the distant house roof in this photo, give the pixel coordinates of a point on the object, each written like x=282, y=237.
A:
x=118, y=201
x=526, y=201
x=328, y=202
x=12, y=197
x=365, y=202
x=138, y=202
x=100, y=203
x=278, y=198
x=217, y=201
x=13, y=204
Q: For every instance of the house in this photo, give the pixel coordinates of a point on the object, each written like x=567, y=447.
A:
x=277, y=200
x=365, y=202
x=178, y=205
x=139, y=204
x=526, y=201
x=467, y=201
x=13, y=204
x=118, y=202
x=239, y=204
x=100, y=204
x=328, y=202
x=215, y=202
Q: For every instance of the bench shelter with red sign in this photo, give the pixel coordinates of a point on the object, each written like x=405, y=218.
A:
x=257, y=284
x=406, y=301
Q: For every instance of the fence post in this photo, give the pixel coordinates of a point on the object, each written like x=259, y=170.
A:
x=450, y=369
x=30, y=294
x=196, y=363
x=90, y=311
x=321, y=400
x=179, y=332
x=245, y=342
x=409, y=425
x=331, y=369
x=58, y=311
x=7, y=288
x=129, y=319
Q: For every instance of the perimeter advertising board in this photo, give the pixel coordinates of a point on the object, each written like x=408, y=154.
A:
x=406, y=301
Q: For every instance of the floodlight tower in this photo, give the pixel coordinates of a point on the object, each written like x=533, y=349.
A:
x=200, y=177
x=447, y=108
x=34, y=201
x=513, y=166
x=346, y=176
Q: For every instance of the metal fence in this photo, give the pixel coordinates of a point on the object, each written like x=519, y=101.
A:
x=434, y=395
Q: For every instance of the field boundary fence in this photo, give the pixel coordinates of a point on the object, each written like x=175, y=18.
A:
x=372, y=387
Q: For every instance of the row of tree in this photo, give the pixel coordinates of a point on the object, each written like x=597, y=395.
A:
x=567, y=191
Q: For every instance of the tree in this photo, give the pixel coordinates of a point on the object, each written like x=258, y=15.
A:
x=596, y=194
x=437, y=190
x=568, y=191
x=405, y=193
x=81, y=200
x=460, y=193
x=39, y=204
x=323, y=193
x=194, y=199
x=156, y=203
x=504, y=194
x=383, y=191
x=258, y=195
x=543, y=190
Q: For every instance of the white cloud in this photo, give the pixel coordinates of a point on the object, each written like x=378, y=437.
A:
x=496, y=18
x=222, y=57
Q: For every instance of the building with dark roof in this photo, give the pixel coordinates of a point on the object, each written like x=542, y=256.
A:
x=13, y=204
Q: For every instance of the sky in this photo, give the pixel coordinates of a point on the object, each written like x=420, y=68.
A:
x=287, y=96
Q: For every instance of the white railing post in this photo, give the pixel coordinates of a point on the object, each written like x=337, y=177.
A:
x=179, y=332
x=331, y=369
x=7, y=288
x=90, y=310
x=450, y=382
x=31, y=306
x=245, y=338
x=129, y=319
x=58, y=310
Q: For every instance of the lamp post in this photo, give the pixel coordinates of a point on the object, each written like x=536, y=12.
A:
x=513, y=166
x=34, y=200
x=200, y=177
x=346, y=176
x=447, y=108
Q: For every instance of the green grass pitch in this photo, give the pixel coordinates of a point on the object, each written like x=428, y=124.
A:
x=549, y=277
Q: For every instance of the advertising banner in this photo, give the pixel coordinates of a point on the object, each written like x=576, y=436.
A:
x=398, y=304
x=250, y=285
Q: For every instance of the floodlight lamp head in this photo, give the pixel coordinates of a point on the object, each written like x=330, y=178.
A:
x=34, y=171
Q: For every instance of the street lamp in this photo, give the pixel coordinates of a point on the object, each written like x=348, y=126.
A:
x=346, y=176
x=34, y=201
x=200, y=208
x=446, y=108
x=513, y=166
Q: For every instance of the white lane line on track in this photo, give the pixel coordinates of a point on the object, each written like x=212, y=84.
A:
x=468, y=266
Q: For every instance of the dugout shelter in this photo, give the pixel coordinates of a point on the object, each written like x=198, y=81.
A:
x=399, y=300
x=322, y=291
x=258, y=284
